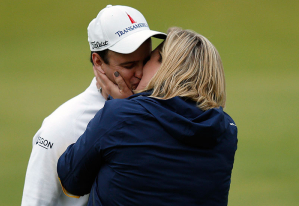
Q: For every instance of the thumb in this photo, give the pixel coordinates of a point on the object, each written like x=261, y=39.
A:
x=98, y=69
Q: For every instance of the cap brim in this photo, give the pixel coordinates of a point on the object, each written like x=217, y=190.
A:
x=133, y=42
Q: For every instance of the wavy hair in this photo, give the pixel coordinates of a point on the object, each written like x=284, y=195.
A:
x=191, y=68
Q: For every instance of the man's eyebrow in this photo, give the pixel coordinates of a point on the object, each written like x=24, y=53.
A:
x=126, y=63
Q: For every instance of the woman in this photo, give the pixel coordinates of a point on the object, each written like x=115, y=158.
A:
x=170, y=144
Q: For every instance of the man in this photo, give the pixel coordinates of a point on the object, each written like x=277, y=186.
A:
x=120, y=44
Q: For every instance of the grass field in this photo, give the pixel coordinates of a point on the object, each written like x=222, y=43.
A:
x=44, y=61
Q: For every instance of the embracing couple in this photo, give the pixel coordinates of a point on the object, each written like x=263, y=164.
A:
x=162, y=138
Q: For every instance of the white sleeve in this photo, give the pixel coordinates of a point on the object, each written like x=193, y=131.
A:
x=42, y=186
x=62, y=128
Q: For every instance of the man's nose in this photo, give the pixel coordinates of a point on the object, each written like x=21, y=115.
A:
x=139, y=71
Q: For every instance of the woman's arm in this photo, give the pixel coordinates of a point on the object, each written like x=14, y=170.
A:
x=79, y=164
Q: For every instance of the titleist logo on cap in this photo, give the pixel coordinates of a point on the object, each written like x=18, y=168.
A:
x=96, y=44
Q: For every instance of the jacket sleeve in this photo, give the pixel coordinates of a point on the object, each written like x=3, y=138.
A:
x=79, y=165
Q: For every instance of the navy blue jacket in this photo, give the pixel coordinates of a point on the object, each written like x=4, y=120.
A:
x=145, y=151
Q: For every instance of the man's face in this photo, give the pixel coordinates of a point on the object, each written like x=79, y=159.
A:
x=129, y=66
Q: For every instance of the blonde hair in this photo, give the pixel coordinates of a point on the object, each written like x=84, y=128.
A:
x=191, y=68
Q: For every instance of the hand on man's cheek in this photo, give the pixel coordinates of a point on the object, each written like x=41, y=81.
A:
x=117, y=89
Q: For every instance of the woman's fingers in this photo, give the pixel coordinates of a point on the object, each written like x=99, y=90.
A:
x=124, y=90
x=118, y=90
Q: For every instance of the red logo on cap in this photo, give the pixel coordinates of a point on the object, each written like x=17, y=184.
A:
x=131, y=19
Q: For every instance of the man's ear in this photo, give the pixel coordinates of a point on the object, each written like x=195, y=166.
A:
x=97, y=62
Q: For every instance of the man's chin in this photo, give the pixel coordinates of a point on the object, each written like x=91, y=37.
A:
x=141, y=86
x=134, y=86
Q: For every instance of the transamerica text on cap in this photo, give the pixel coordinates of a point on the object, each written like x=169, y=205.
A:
x=131, y=28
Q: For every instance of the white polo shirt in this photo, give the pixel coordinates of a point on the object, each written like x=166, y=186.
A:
x=62, y=128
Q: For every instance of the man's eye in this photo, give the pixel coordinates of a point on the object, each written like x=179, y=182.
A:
x=130, y=66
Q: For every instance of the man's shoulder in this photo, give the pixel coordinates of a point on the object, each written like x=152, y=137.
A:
x=65, y=112
x=69, y=108
x=88, y=99
x=77, y=105
x=70, y=119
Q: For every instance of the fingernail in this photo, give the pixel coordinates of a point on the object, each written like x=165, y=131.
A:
x=116, y=74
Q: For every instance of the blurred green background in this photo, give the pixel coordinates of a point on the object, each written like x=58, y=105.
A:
x=44, y=61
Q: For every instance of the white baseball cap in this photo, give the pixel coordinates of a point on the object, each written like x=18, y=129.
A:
x=121, y=29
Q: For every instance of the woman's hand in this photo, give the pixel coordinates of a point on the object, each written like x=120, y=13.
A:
x=120, y=90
